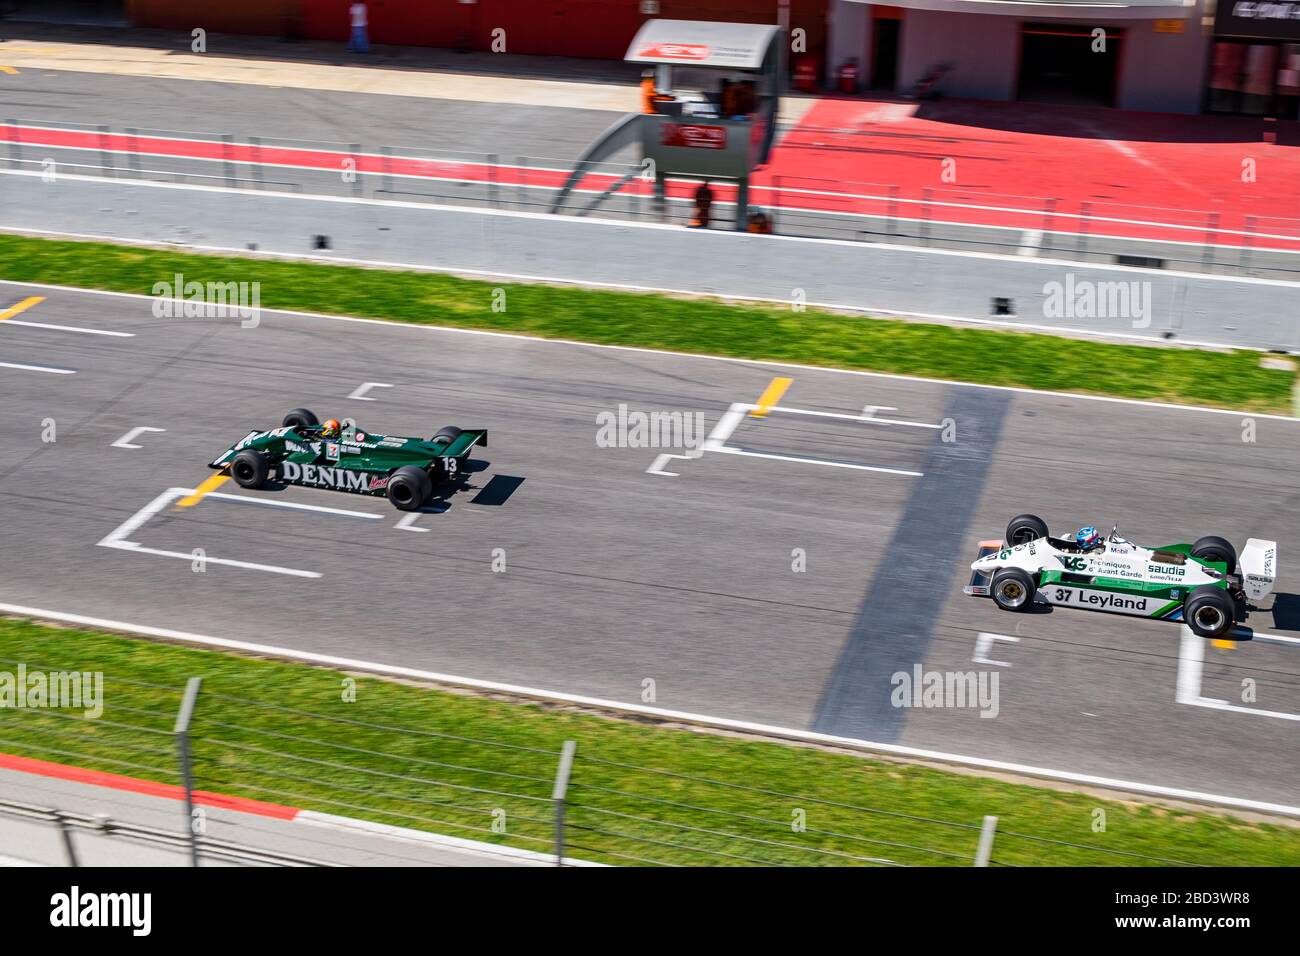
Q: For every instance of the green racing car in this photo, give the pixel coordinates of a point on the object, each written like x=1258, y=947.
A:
x=340, y=456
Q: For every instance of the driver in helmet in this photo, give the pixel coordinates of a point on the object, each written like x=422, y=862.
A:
x=1088, y=539
x=331, y=428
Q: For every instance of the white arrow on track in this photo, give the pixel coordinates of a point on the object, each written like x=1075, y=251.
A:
x=134, y=433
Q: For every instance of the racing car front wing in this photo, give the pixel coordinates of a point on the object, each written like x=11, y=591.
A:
x=980, y=581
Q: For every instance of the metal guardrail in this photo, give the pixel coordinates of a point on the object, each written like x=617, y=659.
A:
x=1256, y=242
x=69, y=824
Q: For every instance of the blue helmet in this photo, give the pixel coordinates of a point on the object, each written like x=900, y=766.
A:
x=1087, y=538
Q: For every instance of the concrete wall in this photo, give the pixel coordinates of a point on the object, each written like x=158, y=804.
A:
x=984, y=50
x=849, y=35
x=1163, y=72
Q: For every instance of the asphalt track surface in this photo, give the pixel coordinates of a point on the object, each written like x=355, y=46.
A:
x=614, y=577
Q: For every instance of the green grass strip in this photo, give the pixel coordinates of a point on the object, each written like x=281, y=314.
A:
x=455, y=763
x=814, y=337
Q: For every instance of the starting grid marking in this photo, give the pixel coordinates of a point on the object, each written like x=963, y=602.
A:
x=1191, y=661
x=120, y=537
x=766, y=406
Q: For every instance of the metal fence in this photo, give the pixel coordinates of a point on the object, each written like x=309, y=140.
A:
x=73, y=827
x=573, y=800
x=1255, y=241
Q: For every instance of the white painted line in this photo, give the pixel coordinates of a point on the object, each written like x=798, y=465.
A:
x=1035, y=213
x=353, y=825
x=206, y=559
x=38, y=368
x=117, y=538
x=137, y=520
x=1275, y=638
x=722, y=235
x=984, y=644
x=869, y=411
x=297, y=506
x=870, y=419
x=733, y=416
x=359, y=393
x=125, y=440
x=768, y=730
x=656, y=467
x=1191, y=658
x=69, y=328
x=1239, y=709
x=574, y=343
x=408, y=523
x=728, y=450
x=1032, y=241
x=727, y=424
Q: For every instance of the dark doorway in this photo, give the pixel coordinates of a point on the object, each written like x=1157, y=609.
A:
x=1069, y=64
x=82, y=12
x=885, y=35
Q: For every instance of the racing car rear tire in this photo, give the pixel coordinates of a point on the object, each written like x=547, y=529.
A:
x=449, y=433
x=250, y=468
x=1013, y=589
x=300, y=417
x=1023, y=528
x=409, y=488
x=1211, y=548
x=1210, y=611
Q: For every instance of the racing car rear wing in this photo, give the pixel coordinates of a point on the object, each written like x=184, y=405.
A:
x=1258, y=567
x=463, y=442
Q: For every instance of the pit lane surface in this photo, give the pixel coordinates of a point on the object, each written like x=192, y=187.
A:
x=614, y=577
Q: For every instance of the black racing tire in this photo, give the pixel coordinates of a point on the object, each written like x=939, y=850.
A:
x=1023, y=528
x=1210, y=611
x=1013, y=589
x=1212, y=548
x=250, y=467
x=448, y=434
x=409, y=488
x=300, y=417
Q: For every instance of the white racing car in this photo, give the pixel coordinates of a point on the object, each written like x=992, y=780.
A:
x=1204, y=584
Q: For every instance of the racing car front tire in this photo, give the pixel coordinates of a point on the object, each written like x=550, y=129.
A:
x=1211, y=548
x=1210, y=611
x=300, y=417
x=1013, y=589
x=250, y=468
x=409, y=488
x=1025, y=528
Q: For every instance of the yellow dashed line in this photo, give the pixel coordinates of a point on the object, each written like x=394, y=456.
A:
x=1224, y=645
x=771, y=395
x=212, y=484
x=8, y=69
x=22, y=306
